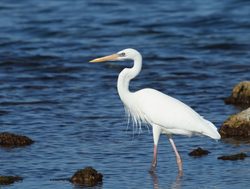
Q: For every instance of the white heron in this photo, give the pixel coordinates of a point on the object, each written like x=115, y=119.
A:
x=165, y=114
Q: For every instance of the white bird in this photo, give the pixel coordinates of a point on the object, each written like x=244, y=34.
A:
x=165, y=114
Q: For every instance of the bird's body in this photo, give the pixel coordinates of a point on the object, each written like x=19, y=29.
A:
x=173, y=116
x=164, y=113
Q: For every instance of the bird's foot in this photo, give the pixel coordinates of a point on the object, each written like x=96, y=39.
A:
x=152, y=169
x=180, y=173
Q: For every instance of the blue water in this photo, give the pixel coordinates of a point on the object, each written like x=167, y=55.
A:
x=193, y=50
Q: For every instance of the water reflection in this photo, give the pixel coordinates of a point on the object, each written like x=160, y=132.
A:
x=175, y=185
x=236, y=141
x=99, y=186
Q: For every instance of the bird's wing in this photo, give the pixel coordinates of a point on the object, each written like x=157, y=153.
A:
x=171, y=114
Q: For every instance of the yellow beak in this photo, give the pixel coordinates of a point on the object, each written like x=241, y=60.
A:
x=106, y=58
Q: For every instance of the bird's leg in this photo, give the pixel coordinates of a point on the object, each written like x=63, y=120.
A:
x=156, y=136
x=154, y=161
x=178, y=157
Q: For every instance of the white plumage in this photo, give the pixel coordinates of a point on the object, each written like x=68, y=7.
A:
x=165, y=114
x=173, y=116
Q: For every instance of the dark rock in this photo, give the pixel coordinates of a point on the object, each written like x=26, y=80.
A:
x=240, y=94
x=7, y=180
x=12, y=140
x=86, y=177
x=199, y=152
x=237, y=125
x=234, y=157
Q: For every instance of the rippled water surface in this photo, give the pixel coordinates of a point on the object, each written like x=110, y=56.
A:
x=193, y=50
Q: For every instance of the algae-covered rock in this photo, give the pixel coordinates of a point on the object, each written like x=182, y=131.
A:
x=240, y=94
x=7, y=180
x=233, y=157
x=86, y=177
x=13, y=140
x=237, y=125
x=199, y=152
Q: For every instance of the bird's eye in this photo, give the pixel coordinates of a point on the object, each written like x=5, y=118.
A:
x=122, y=54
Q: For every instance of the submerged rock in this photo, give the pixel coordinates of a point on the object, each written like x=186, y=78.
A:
x=6, y=180
x=234, y=157
x=198, y=152
x=13, y=140
x=237, y=125
x=86, y=177
x=240, y=94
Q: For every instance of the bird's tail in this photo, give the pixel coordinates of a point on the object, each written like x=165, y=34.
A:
x=211, y=130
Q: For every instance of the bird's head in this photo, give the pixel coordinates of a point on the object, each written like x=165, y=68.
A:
x=121, y=55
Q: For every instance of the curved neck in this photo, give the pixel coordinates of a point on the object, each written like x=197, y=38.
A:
x=126, y=75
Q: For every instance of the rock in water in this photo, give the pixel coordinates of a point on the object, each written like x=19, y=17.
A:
x=6, y=180
x=240, y=94
x=199, y=152
x=86, y=177
x=13, y=140
x=234, y=157
x=237, y=125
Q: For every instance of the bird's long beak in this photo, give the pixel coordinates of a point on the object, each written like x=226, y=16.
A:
x=106, y=58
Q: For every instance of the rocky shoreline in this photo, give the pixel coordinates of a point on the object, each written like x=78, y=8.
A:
x=240, y=94
x=238, y=125
x=11, y=140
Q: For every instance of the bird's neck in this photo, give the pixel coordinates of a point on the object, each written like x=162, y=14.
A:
x=126, y=75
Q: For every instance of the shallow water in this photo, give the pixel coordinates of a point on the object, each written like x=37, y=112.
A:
x=195, y=51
